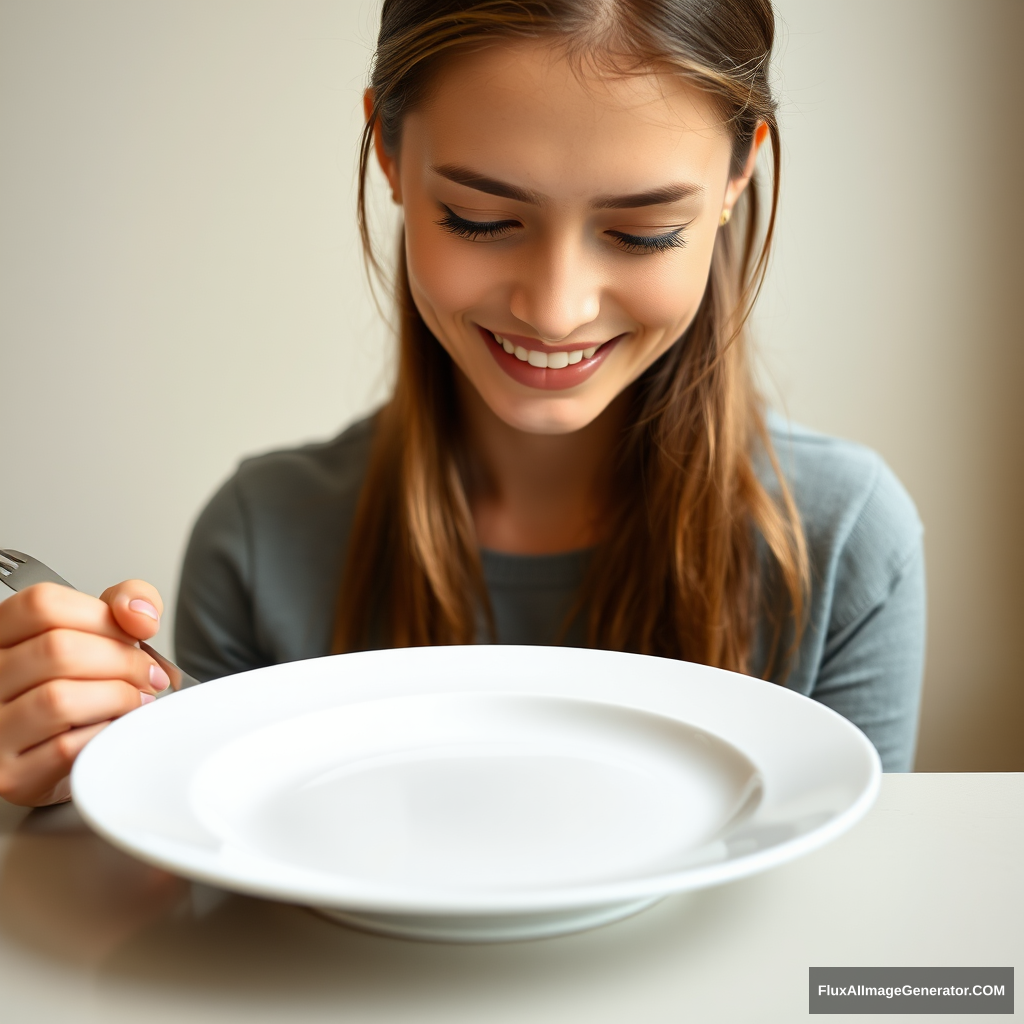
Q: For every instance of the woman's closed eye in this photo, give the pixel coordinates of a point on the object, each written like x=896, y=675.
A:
x=476, y=230
x=649, y=243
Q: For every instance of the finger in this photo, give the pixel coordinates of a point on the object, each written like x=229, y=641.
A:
x=33, y=778
x=46, y=606
x=173, y=672
x=61, y=705
x=69, y=654
x=136, y=607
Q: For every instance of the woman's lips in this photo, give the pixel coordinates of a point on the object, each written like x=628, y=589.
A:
x=549, y=369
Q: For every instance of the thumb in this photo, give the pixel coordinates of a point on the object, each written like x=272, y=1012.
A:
x=136, y=607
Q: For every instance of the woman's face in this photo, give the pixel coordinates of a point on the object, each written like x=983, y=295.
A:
x=558, y=228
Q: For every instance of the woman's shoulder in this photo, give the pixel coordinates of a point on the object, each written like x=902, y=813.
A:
x=262, y=566
x=329, y=469
x=289, y=507
x=861, y=525
x=833, y=478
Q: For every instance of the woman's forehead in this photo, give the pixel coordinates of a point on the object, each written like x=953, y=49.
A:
x=524, y=106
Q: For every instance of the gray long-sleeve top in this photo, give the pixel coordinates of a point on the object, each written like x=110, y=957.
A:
x=261, y=575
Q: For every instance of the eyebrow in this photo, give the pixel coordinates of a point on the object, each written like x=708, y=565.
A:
x=651, y=197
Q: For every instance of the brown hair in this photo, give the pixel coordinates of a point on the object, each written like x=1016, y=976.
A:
x=681, y=573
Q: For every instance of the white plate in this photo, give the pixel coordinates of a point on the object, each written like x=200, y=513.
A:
x=476, y=793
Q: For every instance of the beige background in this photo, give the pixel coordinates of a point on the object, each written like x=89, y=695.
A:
x=180, y=283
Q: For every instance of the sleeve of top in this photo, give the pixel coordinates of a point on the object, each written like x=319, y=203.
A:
x=214, y=632
x=872, y=659
x=261, y=571
x=871, y=672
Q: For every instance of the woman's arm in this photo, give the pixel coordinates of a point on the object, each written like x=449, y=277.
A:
x=862, y=651
x=871, y=670
x=214, y=631
x=261, y=572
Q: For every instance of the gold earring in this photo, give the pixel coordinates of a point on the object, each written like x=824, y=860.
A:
x=724, y=219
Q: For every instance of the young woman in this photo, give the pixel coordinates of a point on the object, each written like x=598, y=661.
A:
x=574, y=451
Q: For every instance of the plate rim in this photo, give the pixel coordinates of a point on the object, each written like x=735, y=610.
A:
x=303, y=886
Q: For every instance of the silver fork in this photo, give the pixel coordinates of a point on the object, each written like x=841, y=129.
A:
x=19, y=571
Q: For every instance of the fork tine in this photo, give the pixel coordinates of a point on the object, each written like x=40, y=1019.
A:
x=19, y=570
x=10, y=561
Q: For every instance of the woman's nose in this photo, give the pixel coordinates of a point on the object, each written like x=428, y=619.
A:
x=557, y=293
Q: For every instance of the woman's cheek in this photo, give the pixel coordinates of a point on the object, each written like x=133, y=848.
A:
x=665, y=297
x=443, y=271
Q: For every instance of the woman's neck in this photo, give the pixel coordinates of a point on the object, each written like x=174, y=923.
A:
x=535, y=494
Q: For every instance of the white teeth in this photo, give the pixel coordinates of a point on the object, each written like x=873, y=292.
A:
x=546, y=360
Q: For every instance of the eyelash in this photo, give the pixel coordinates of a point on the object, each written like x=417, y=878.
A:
x=473, y=229
x=650, y=243
x=638, y=244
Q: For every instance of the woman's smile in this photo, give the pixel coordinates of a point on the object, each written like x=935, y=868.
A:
x=528, y=360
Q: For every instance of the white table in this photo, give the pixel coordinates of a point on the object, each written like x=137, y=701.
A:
x=934, y=876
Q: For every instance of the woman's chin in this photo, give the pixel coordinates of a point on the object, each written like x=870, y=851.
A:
x=543, y=415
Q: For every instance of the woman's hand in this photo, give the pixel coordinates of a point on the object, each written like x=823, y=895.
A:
x=68, y=667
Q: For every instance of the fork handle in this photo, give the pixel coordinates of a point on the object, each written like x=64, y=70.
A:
x=31, y=571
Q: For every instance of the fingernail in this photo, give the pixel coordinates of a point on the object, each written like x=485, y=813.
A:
x=158, y=678
x=138, y=605
x=147, y=698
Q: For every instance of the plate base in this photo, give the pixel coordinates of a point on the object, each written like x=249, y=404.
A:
x=487, y=928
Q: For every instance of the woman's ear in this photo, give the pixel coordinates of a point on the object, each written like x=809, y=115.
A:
x=736, y=185
x=388, y=164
